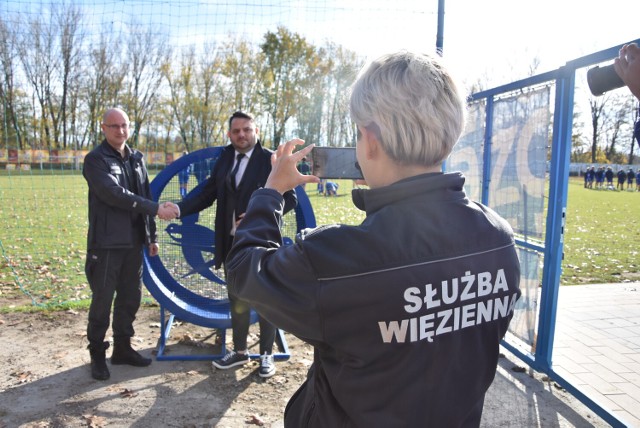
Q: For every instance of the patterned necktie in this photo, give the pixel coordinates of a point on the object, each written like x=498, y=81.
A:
x=235, y=169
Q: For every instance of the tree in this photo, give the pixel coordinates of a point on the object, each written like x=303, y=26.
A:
x=68, y=18
x=242, y=67
x=36, y=49
x=310, y=113
x=182, y=96
x=597, y=105
x=102, y=82
x=579, y=143
x=147, y=51
x=340, y=130
x=291, y=67
x=11, y=126
x=610, y=121
x=619, y=119
x=228, y=81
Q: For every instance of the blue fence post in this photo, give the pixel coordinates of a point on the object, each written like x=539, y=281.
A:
x=556, y=213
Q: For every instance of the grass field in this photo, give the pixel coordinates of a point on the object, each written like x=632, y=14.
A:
x=42, y=243
x=602, y=236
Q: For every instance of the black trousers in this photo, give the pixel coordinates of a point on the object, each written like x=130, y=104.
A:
x=119, y=273
x=240, y=321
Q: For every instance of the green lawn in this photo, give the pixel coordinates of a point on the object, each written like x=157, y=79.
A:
x=44, y=217
x=602, y=235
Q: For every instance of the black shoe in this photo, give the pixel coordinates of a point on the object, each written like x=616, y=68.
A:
x=123, y=353
x=99, y=369
x=231, y=359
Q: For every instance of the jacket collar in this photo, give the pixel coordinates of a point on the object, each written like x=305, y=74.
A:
x=437, y=186
x=106, y=149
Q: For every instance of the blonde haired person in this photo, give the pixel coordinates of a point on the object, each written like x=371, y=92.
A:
x=406, y=310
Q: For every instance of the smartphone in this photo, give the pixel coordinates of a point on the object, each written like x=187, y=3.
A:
x=335, y=162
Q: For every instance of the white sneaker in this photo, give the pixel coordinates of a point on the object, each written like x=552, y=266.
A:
x=267, y=367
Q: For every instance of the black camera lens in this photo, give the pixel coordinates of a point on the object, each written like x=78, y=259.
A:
x=603, y=79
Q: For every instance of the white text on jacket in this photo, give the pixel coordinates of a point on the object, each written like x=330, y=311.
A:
x=451, y=318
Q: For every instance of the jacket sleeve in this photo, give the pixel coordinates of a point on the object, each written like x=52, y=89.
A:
x=204, y=199
x=290, y=201
x=105, y=186
x=277, y=281
x=153, y=234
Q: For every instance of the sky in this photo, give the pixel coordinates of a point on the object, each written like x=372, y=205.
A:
x=500, y=39
x=498, y=36
x=495, y=41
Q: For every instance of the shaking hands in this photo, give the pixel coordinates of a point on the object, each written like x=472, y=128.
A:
x=168, y=211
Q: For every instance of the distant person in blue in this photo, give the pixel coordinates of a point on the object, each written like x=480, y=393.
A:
x=622, y=177
x=201, y=170
x=600, y=178
x=630, y=179
x=331, y=188
x=590, y=176
x=586, y=178
x=304, y=168
x=609, y=176
x=183, y=178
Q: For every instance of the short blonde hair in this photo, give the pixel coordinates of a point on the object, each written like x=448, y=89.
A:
x=414, y=105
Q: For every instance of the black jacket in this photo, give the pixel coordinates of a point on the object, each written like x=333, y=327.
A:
x=115, y=213
x=405, y=311
x=229, y=200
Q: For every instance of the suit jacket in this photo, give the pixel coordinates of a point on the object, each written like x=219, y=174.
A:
x=218, y=188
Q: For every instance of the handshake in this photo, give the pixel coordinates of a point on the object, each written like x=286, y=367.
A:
x=168, y=211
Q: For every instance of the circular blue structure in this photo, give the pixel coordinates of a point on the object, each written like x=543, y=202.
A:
x=182, y=277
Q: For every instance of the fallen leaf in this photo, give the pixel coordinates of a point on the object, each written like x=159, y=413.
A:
x=256, y=420
x=22, y=376
x=127, y=393
x=94, y=421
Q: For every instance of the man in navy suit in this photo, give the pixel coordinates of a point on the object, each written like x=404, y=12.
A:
x=243, y=167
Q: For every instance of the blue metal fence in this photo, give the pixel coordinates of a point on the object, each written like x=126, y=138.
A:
x=551, y=247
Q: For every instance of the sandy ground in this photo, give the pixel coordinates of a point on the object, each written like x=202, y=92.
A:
x=45, y=382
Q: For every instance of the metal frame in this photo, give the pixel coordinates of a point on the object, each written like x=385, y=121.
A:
x=166, y=323
x=552, y=250
x=175, y=300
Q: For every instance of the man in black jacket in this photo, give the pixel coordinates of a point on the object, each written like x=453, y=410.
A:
x=243, y=167
x=405, y=311
x=121, y=222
